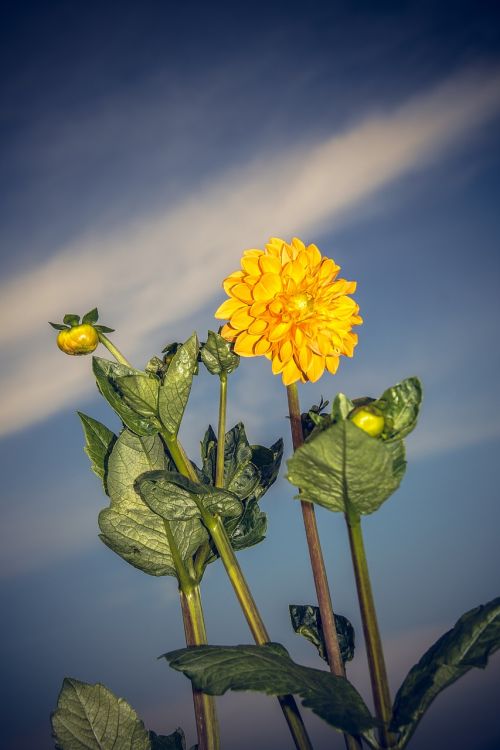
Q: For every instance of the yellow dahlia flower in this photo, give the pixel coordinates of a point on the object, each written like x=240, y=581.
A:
x=287, y=304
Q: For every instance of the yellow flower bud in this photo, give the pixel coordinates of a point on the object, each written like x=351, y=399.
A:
x=81, y=339
x=369, y=420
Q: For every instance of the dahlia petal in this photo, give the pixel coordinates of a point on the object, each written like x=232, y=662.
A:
x=305, y=357
x=243, y=293
x=250, y=264
x=241, y=319
x=231, y=281
x=291, y=373
x=316, y=368
x=295, y=271
x=258, y=309
x=267, y=288
x=257, y=326
x=274, y=246
x=276, y=306
x=332, y=364
x=269, y=264
x=228, y=308
x=262, y=347
x=314, y=255
x=325, y=345
x=286, y=351
x=299, y=337
x=277, y=365
x=298, y=244
x=278, y=331
x=245, y=343
x=228, y=332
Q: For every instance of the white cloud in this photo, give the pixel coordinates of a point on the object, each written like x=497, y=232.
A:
x=161, y=268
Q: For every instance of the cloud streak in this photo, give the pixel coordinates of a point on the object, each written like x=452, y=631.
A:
x=161, y=268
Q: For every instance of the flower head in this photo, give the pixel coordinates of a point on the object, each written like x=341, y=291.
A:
x=287, y=304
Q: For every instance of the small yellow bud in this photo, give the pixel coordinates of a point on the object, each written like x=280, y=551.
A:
x=81, y=339
x=368, y=420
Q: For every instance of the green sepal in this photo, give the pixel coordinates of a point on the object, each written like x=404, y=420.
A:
x=71, y=319
x=107, y=373
x=59, y=326
x=306, y=621
x=345, y=470
x=269, y=669
x=470, y=643
x=400, y=406
x=91, y=716
x=174, y=391
x=218, y=356
x=91, y=317
x=176, y=498
x=104, y=329
x=99, y=442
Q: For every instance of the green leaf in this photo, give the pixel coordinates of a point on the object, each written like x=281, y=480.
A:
x=176, y=498
x=91, y=317
x=468, y=644
x=268, y=462
x=71, y=319
x=249, y=529
x=59, y=326
x=140, y=392
x=341, y=407
x=99, y=441
x=344, y=469
x=176, y=387
x=400, y=406
x=218, y=356
x=128, y=526
x=209, y=454
x=107, y=373
x=237, y=452
x=92, y=717
x=306, y=621
x=269, y=669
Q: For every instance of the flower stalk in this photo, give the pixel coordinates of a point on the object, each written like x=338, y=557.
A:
x=252, y=615
x=374, y=650
x=221, y=431
x=317, y=561
x=116, y=353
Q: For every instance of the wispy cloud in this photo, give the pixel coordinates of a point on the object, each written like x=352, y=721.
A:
x=158, y=269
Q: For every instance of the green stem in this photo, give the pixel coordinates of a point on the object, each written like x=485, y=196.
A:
x=207, y=725
x=221, y=431
x=374, y=650
x=252, y=615
x=317, y=561
x=113, y=350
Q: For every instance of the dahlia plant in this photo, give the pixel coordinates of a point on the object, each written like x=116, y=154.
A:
x=169, y=515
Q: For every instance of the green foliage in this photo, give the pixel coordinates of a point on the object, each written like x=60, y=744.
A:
x=99, y=441
x=306, y=621
x=71, y=320
x=91, y=717
x=128, y=526
x=344, y=469
x=400, y=407
x=176, y=387
x=176, y=498
x=269, y=669
x=472, y=640
x=108, y=375
x=91, y=317
x=140, y=392
x=218, y=356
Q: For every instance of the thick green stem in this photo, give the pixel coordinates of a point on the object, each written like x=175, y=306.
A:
x=317, y=561
x=375, y=654
x=221, y=431
x=257, y=628
x=207, y=725
x=113, y=350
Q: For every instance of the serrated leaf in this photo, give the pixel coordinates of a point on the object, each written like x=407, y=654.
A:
x=99, y=441
x=175, y=497
x=209, y=454
x=128, y=526
x=237, y=451
x=470, y=643
x=91, y=717
x=218, y=356
x=269, y=669
x=344, y=469
x=268, y=462
x=140, y=392
x=249, y=529
x=306, y=621
x=91, y=317
x=59, y=326
x=106, y=374
x=400, y=406
x=174, y=392
x=71, y=319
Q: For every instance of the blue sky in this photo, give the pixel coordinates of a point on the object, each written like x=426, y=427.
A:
x=141, y=151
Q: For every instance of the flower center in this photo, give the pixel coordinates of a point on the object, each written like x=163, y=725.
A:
x=301, y=303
